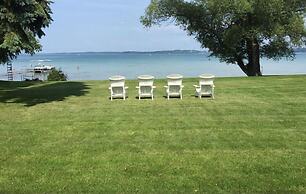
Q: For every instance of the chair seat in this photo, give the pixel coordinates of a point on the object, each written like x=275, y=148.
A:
x=174, y=90
x=118, y=95
x=145, y=90
x=204, y=90
x=118, y=92
x=203, y=93
x=146, y=94
x=198, y=90
x=174, y=93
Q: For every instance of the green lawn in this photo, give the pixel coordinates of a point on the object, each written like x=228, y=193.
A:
x=69, y=137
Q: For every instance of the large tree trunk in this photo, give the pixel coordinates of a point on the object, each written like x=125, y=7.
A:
x=253, y=66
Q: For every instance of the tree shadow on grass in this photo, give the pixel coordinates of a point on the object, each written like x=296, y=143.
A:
x=31, y=94
x=5, y=85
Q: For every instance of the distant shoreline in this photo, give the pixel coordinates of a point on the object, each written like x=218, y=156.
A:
x=298, y=50
x=124, y=52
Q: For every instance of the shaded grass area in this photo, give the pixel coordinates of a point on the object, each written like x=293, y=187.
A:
x=33, y=93
x=68, y=137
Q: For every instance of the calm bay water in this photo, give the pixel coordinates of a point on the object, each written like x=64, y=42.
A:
x=100, y=66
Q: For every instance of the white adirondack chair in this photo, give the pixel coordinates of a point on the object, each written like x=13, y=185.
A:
x=145, y=86
x=117, y=87
x=206, y=86
x=174, y=87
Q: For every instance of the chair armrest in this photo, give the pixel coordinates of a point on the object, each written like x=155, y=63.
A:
x=182, y=86
x=154, y=87
x=137, y=87
x=110, y=88
x=196, y=86
x=126, y=87
x=165, y=86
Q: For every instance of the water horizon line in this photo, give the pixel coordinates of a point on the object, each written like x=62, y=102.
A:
x=194, y=51
x=123, y=52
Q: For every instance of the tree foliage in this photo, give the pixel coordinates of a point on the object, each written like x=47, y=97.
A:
x=57, y=75
x=237, y=31
x=21, y=24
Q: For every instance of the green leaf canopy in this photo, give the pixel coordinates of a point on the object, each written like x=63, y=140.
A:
x=21, y=24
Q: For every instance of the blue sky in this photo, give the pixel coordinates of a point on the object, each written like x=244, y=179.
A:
x=109, y=25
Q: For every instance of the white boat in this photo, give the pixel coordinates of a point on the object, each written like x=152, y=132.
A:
x=43, y=68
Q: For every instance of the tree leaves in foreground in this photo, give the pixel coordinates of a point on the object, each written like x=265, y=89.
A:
x=21, y=24
x=238, y=31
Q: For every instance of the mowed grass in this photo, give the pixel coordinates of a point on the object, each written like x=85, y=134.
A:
x=69, y=137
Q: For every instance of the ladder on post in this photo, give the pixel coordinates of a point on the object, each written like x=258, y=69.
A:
x=10, y=76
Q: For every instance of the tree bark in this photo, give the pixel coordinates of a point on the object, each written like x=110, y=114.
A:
x=253, y=66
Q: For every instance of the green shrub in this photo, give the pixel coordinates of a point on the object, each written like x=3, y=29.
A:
x=57, y=75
